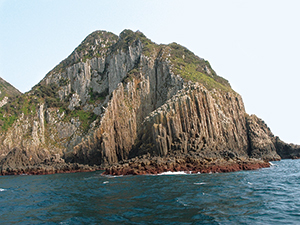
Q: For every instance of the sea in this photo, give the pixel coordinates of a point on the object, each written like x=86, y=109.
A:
x=264, y=196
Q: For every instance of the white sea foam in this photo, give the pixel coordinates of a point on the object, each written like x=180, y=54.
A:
x=201, y=183
x=175, y=173
x=182, y=203
x=105, y=182
x=1, y=189
x=112, y=176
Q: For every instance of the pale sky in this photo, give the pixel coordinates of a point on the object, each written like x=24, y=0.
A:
x=255, y=44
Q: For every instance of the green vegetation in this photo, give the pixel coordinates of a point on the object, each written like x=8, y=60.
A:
x=134, y=73
x=7, y=90
x=95, y=96
x=129, y=38
x=64, y=81
x=85, y=117
x=7, y=121
x=195, y=69
x=10, y=112
x=50, y=95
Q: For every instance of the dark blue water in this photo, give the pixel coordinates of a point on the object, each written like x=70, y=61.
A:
x=266, y=196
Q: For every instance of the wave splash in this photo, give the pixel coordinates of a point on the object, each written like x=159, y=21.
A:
x=175, y=173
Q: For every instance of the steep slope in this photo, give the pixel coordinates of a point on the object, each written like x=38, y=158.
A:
x=7, y=91
x=121, y=97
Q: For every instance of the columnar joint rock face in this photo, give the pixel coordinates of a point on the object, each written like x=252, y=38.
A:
x=198, y=120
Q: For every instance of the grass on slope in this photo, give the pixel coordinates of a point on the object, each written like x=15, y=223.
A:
x=191, y=67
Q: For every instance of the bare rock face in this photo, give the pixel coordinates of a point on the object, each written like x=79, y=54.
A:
x=287, y=151
x=261, y=140
x=116, y=98
x=20, y=158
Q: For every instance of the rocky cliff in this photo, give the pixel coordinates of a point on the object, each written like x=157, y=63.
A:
x=116, y=98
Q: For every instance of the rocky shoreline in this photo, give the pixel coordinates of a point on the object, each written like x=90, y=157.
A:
x=43, y=169
x=145, y=166
x=20, y=162
x=157, y=165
